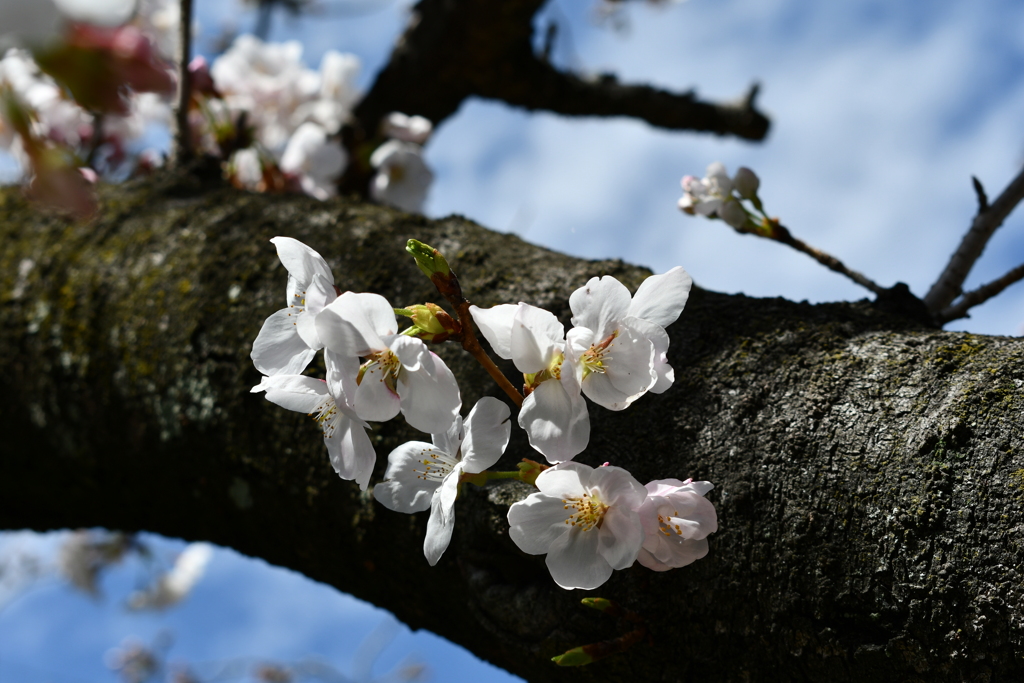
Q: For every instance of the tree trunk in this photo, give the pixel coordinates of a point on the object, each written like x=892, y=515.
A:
x=869, y=474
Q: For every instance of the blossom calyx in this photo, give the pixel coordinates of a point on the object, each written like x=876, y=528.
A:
x=431, y=323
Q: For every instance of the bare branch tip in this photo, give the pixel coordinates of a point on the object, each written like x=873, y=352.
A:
x=982, y=197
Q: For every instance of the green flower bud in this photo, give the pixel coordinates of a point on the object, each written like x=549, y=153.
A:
x=574, y=657
x=429, y=260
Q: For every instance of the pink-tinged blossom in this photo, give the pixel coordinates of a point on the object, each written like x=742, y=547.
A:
x=677, y=519
x=328, y=403
x=585, y=520
x=414, y=129
x=403, y=178
x=400, y=372
x=315, y=160
x=618, y=345
x=554, y=414
x=712, y=195
x=426, y=475
x=288, y=339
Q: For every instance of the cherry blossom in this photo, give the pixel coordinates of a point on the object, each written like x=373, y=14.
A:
x=407, y=128
x=422, y=475
x=400, y=372
x=585, y=520
x=618, y=344
x=327, y=402
x=712, y=195
x=402, y=179
x=288, y=339
x=316, y=160
x=554, y=414
x=677, y=519
x=175, y=585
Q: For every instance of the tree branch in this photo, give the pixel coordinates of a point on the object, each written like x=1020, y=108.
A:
x=989, y=217
x=867, y=471
x=182, y=150
x=980, y=295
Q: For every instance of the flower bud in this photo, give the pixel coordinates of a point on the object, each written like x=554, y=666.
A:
x=529, y=470
x=429, y=260
x=746, y=182
x=574, y=657
x=431, y=323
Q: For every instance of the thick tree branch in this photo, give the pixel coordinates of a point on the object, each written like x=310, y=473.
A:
x=989, y=217
x=867, y=471
x=456, y=49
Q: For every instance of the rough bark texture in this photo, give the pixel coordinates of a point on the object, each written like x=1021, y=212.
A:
x=869, y=475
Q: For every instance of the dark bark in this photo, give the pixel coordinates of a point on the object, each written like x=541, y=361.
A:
x=869, y=474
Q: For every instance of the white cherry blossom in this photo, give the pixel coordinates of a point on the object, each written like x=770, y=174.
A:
x=554, y=414
x=400, y=372
x=618, y=344
x=172, y=587
x=677, y=519
x=402, y=178
x=316, y=160
x=408, y=128
x=288, y=339
x=422, y=475
x=584, y=519
x=713, y=194
x=328, y=402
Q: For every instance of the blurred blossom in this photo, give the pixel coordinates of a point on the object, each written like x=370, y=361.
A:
x=402, y=178
x=407, y=128
x=172, y=587
x=316, y=160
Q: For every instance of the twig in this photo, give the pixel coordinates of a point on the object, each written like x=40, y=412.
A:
x=782, y=234
x=182, y=144
x=448, y=286
x=980, y=295
x=950, y=283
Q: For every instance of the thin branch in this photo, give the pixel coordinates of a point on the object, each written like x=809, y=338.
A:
x=980, y=295
x=783, y=235
x=950, y=283
x=182, y=143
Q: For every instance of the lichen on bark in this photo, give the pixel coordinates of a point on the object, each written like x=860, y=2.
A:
x=867, y=470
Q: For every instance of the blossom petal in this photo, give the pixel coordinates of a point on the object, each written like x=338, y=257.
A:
x=574, y=561
x=302, y=263
x=628, y=371
x=430, y=397
x=535, y=523
x=404, y=488
x=350, y=450
x=341, y=377
x=659, y=338
x=556, y=421
x=488, y=428
x=495, y=324
x=565, y=480
x=617, y=487
x=599, y=305
x=294, y=392
x=374, y=400
x=442, y=519
x=536, y=335
x=278, y=349
x=354, y=323
x=661, y=298
x=317, y=295
x=621, y=536
x=449, y=441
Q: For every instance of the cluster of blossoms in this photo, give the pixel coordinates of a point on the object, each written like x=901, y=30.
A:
x=274, y=122
x=587, y=521
x=716, y=195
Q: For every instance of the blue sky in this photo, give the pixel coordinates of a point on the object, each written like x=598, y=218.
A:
x=881, y=113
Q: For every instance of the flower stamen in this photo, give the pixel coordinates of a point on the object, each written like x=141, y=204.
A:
x=593, y=359
x=588, y=511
